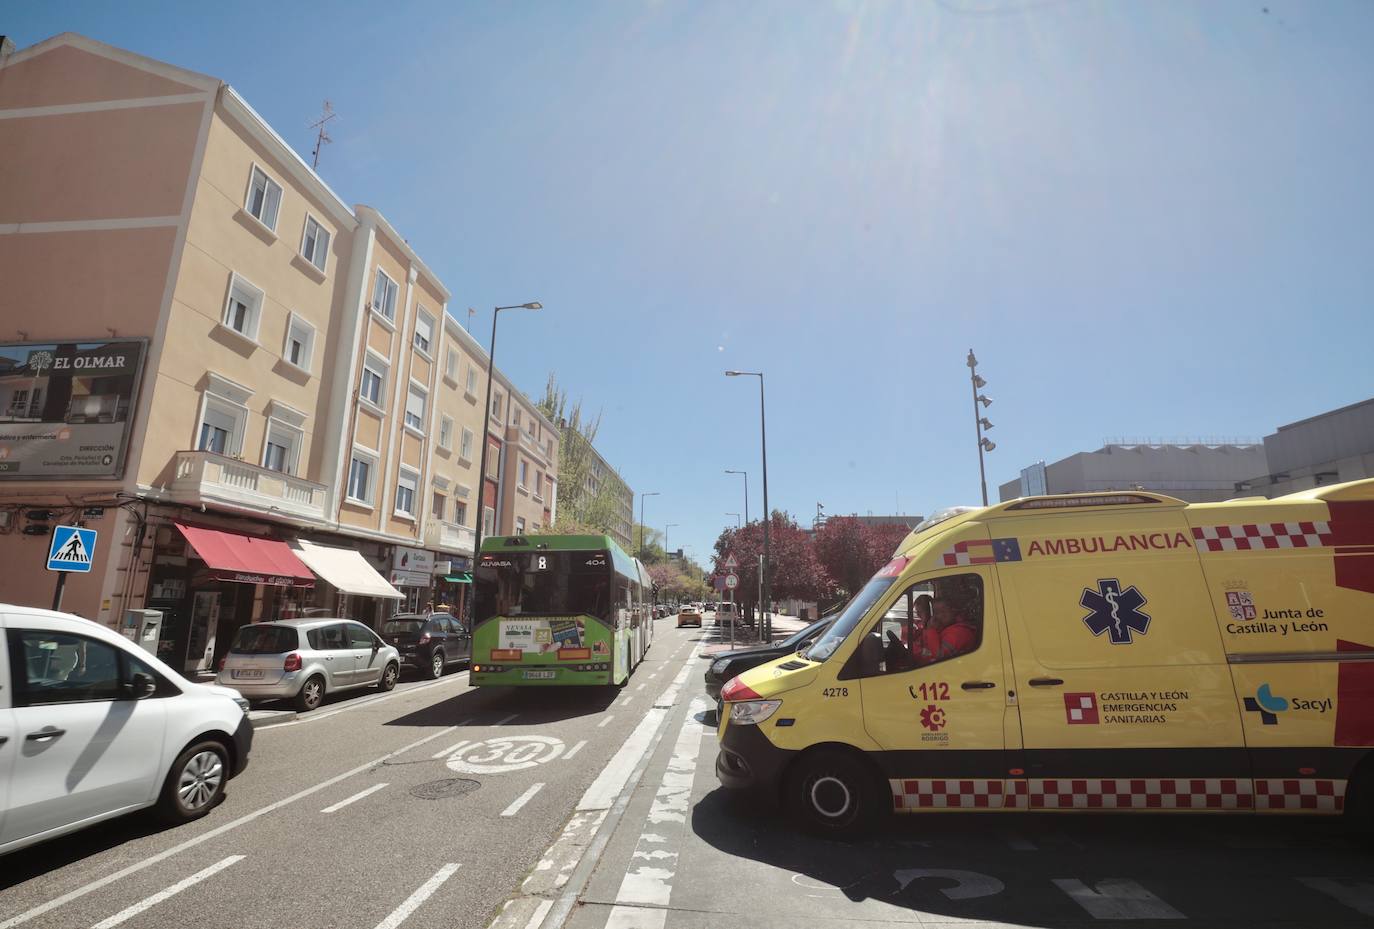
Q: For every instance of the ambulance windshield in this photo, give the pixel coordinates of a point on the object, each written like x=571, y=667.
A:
x=862, y=602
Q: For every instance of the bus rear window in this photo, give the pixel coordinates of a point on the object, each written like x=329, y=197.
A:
x=543, y=584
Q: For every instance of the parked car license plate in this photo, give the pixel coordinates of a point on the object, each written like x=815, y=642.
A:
x=247, y=674
x=539, y=675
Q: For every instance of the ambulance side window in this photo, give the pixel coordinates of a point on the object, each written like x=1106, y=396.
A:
x=932, y=621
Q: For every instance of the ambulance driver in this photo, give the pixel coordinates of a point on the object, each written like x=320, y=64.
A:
x=954, y=631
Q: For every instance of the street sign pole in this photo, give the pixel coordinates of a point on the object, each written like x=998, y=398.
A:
x=57, y=591
x=72, y=549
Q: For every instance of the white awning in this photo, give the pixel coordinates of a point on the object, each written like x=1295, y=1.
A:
x=345, y=569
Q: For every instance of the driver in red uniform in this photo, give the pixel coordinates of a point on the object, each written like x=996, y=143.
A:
x=950, y=635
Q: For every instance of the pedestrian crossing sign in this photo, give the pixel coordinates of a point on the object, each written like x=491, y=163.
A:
x=72, y=549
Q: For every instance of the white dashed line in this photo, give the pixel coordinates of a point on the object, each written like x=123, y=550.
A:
x=502, y=722
x=172, y=891
x=575, y=749
x=412, y=903
x=452, y=748
x=626, y=701
x=605, y=722
x=353, y=799
x=521, y=800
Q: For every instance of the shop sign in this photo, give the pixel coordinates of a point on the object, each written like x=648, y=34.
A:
x=443, y=567
x=412, y=560
x=65, y=407
x=410, y=579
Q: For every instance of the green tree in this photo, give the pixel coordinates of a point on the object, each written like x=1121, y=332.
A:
x=584, y=499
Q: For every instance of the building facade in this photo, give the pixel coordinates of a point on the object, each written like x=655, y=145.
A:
x=1329, y=448
x=252, y=391
x=1196, y=473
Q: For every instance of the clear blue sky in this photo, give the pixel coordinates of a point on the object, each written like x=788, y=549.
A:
x=1146, y=218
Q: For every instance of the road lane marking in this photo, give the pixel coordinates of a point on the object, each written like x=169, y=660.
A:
x=151, y=860
x=1359, y=896
x=451, y=749
x=636, y=917
x=1117, y=898
x=521, y=800
x=132, y=911
x=641, y=686
x=359, y=704
x=606, y=721
x=423, y=893
x=575, y=749
x=504, y=720
x=353, y=799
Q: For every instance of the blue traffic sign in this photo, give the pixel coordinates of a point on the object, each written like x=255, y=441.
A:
x=72, y=549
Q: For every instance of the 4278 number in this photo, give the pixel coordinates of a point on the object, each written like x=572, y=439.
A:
x=835, y=692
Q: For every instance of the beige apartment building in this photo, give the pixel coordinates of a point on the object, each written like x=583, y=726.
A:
x=251, y=391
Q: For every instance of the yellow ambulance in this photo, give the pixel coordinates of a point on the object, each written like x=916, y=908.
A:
x=1114, y=651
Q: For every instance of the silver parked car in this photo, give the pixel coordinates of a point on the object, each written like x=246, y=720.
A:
x=305, y=659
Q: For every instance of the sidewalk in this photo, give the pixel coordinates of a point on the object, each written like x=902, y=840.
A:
x=718, y=637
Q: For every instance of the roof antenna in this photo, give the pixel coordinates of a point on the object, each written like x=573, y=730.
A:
x=321, y=133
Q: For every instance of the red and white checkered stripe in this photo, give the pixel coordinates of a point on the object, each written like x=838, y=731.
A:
x=1299, y=794
x=1121, y=793
x=1254, y=536
x=959, y=553
x=947, y=793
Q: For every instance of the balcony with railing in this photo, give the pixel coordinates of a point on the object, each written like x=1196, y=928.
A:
x=210, y=479
x=449, y=537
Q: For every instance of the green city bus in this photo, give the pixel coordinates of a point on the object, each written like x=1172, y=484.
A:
x=558, y=609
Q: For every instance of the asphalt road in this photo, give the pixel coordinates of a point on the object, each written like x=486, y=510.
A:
x=438, y=805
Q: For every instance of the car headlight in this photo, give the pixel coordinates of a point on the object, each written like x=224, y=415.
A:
x=718, y=667
x=243, y=705
x=753, y=712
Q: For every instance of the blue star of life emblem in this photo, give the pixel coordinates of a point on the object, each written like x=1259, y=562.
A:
x=1114, y=611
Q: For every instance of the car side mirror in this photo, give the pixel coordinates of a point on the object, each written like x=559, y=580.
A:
x=140, y=685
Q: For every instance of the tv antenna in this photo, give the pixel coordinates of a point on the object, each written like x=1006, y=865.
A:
x=322, y=137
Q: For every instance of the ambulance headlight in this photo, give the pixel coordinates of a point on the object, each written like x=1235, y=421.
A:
x=753, y=712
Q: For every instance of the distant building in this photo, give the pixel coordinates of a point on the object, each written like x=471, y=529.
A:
x=1197, y=473
x=1328, y=448
x=602, y=498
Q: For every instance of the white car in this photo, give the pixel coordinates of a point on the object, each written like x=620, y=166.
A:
x=92, y=726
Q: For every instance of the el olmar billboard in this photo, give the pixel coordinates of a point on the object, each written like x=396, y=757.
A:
x=65, y=407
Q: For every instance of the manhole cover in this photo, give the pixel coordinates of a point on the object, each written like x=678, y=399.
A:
x=448, y=787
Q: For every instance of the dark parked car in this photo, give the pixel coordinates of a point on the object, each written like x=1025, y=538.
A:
x=727, y=665
x=428, y=642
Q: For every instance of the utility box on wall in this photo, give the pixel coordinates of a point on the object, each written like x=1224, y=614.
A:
x=143, y=628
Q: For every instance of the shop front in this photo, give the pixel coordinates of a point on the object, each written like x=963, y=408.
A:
x=412, y=572
x=207, y=582
x=352, y=587
x=453, y=585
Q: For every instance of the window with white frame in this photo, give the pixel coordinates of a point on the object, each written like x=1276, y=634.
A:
x=300, y=343
x=244, y=310
x=538, y=483
x=406, y=484
x=223, y=417
x=373, y=387
x=451, y=366
x=446, y=433
x=524, y=473
x=465, y=445
x=384, y=296
x=424, y=330
x=416, y=400
x=362, y=477
x=264, y=198
x=519, y=525
x=488, y=521
x=472, y=379
x=460, y=513
x=315, y=243
x=437, y=506
x=281, y=450
x=494, y=464
x=497, y=404
x=515, y=417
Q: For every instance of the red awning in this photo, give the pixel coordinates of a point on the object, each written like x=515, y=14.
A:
x=247, y=559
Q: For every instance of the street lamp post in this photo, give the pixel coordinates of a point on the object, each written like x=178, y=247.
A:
x=486, y=424
x=666, y=527
x=738, y=523
x=980, y=424
x=655, y=493
x=745, y=475
x=767, y=518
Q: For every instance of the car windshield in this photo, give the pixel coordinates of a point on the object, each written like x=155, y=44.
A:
x=796, y=639
x=844, y=624
x=402, y=626
x=265, y=640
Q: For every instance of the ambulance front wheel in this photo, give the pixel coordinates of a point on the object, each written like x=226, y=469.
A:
x=833, y=793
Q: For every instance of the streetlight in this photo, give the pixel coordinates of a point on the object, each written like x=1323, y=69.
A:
x=738, y=524
x=666, y=527
x=745, y=475
x=641, y=519
x=486, y=424
x=980, y=423
x=767, y=518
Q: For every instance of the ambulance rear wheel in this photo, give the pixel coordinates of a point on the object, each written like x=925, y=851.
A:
x=833, y=793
